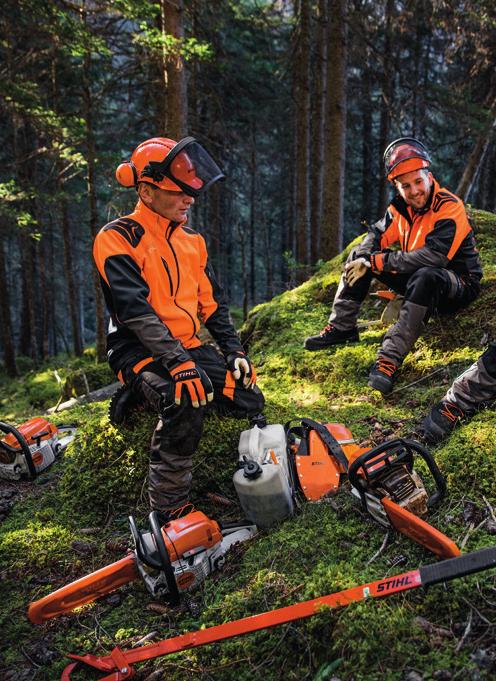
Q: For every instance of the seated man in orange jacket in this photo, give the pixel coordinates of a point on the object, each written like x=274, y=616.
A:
x=423, y=248
x=158, y=284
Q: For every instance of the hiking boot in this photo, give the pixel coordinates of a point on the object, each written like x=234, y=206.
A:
x=383, y=375
x=331, y=336
x=441, y=421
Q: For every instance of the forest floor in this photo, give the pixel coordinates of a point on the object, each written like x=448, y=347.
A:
x=73, y=518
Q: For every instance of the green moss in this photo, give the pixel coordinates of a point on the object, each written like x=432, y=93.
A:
x=325, y=547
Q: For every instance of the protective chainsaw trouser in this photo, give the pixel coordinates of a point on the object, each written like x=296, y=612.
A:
x=425, y=291
x=179, y=429
x=476, y=385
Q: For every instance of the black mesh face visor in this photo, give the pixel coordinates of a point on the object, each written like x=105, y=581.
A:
x=404, y=149
x=188, y=165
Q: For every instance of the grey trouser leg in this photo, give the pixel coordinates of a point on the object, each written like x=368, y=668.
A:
x=345, y=310
x=477, y=384
x=174, y=442
x=401, y=337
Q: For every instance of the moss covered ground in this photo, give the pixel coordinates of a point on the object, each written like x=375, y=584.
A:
x=74, y=518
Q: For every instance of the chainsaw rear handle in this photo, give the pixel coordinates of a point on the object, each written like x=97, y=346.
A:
x=157, y=521
x=10, y=430
x=440, y=492
x=157, y=559
x=403, y=457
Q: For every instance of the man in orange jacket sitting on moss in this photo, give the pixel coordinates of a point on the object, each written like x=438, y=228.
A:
x=158, y=284
x=423, y=249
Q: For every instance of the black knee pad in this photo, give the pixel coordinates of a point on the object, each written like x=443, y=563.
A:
x=425, y=286
x=157, y=391
x=181, y=431
x=488, y=359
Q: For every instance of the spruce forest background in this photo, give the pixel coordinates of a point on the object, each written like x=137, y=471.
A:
x=295, y=99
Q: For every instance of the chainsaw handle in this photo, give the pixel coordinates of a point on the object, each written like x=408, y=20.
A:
x=425, y=454
x=157, y=520
x=10, y=430
x=360, y=462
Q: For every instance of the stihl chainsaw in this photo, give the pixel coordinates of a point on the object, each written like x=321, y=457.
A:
x=173, y=557
x=30, y=448
x=313, y=459
x=383, y=478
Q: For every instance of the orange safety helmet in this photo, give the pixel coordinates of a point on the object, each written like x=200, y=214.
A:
x=174, y=166
x=405, y=155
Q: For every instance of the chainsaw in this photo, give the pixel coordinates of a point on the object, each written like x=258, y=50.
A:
x=382, y=478
x=29, y=449
x=172, y=558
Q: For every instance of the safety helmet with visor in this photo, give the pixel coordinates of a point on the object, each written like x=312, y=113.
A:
x=405, y=155
x=174, y=166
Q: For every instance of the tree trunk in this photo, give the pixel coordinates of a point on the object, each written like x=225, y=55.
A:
x=334, y=169
x=253, y=168
x=100, y=340
x=171, y=12
x=72, y=298
x=302, y=128
x=477, y=155
x=367, y=172
x=386, y=103
x=318, y=118
x=45, y=297
x=28, y=345
x=6, y=330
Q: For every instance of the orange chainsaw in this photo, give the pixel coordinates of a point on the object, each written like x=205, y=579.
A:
x=173, y=557
x=383, y=478
x=27, y=450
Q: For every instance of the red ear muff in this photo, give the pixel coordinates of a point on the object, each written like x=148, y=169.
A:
x=126, y=174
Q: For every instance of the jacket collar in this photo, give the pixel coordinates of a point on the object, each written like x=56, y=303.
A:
x=153, y=222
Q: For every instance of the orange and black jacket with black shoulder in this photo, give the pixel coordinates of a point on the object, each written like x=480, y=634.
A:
x=158, y=284
x=440, y=235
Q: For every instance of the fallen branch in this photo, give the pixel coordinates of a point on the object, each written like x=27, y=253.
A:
x=381, y=549
x=419, y=380
x=94, y=396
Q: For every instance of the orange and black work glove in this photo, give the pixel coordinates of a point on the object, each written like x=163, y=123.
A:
x=239, y=365
x=191, y=378
x=354, y=270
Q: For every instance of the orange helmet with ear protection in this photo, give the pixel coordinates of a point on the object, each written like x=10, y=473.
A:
x=174, y=166
x=405, y=155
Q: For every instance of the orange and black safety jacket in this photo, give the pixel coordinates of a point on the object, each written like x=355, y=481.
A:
x=157, y=285
x=439, y=235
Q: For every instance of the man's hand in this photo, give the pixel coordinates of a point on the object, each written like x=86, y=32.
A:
x=191, y=378
x=239, y=365
x=354, y=270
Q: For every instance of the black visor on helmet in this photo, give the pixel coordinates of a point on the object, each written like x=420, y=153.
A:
x=404, y=149
x=188, y=165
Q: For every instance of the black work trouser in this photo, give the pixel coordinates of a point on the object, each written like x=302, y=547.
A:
x=178, y=431
x=435, y=288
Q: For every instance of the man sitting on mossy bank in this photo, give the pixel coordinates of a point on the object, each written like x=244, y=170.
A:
x=158, y=284
x=434, y=265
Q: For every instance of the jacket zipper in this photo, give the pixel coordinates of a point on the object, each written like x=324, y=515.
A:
x=177, y=287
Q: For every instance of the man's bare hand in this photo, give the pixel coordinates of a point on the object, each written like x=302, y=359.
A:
x=353, y=271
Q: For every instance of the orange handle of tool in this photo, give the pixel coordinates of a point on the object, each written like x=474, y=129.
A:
x=84, y=590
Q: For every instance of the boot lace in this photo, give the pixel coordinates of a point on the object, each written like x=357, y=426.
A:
x=451, y=411
x=385, y=366
x=326, y=329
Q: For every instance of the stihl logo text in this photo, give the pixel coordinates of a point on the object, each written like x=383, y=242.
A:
x=394, y=583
